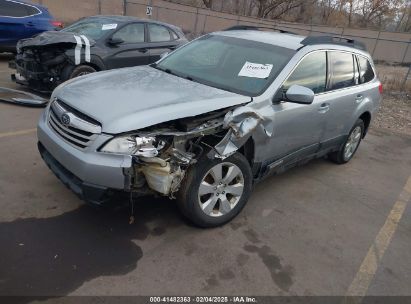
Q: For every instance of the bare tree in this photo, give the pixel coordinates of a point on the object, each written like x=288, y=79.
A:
x=374, y=11
x=276, y=8
x=208, y=3
x=381, y=14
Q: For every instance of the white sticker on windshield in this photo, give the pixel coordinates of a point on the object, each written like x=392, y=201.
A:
x=256, y=70
x=110, y=26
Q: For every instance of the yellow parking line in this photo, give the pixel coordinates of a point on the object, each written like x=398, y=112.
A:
x=369, y=266
x=15, y=133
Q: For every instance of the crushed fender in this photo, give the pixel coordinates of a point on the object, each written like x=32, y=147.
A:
x=48, y=59
x=242, y=123
x=163, y=171
x=21, y=98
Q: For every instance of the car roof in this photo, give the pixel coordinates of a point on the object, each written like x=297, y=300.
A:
x=29, y=2
x=125, y=19
x=289, y=41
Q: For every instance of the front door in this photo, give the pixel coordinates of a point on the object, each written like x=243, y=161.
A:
x=298, y=128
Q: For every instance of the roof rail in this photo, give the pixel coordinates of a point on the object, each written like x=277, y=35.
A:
x=311, y=40
x=256, y=28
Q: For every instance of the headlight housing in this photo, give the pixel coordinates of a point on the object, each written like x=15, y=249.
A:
x=134, y=145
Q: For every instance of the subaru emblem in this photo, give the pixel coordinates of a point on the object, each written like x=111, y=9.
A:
x=65, y=119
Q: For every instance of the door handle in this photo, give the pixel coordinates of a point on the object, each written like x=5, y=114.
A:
x=29, y=23
x=143, y=50
x=172, y=48
x=359, y=98
x=324, y=107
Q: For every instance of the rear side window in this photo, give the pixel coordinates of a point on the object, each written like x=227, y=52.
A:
x=342, y=70
x=132, y=33
x=366, y=71
x=158, y=33
x=14, y=9
x=174, y=35
x=311, y=72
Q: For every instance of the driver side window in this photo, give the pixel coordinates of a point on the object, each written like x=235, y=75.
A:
x=311, y=72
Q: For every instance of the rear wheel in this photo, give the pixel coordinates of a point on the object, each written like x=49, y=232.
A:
x=350, y=146
x=214, y=191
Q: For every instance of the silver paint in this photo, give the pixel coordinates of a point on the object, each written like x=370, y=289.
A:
x=126, y=100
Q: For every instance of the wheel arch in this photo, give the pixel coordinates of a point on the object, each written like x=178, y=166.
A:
x=366, y=118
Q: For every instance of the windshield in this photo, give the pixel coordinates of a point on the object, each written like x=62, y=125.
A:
x=237, y=65
x=94, y=29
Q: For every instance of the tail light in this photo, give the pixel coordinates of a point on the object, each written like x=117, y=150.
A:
x=57, y=24
x=380, y=88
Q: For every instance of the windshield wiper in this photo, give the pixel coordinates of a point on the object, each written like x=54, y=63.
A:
x=165, y=70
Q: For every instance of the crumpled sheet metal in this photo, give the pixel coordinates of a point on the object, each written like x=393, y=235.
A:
x=50, y=38
x=242, y=123
x=55, y=37
x=21, y=98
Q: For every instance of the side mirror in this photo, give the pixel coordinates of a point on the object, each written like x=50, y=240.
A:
x=299, y=94
x=165, y=54
x=115, y=41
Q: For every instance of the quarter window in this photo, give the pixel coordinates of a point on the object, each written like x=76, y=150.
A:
x=174, y=35
x=342, y=70
x=132, y=33
x=366, y=71
x=158, y=33
x=13, y=9
x=311, y=72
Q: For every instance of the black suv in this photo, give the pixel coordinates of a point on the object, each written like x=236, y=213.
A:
x=89, y=45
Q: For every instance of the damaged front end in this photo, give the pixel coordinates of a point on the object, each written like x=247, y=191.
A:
x=162, y=154
x=45, y=61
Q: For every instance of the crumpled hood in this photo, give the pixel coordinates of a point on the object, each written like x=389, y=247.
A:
x=133, y=98
x=49, y=38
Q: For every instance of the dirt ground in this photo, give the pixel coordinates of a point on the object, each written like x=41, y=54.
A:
x=394, y=113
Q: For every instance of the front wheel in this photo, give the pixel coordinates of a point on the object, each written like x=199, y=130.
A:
x=214, y=191
x=350, y=146
x=82, y=70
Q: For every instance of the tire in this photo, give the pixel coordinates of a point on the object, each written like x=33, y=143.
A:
x=81, y=70
x=229, y=201
x=352, y=143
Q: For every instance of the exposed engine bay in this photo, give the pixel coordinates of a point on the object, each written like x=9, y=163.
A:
x=41, y=66
x=44, y=62
x=163, y=153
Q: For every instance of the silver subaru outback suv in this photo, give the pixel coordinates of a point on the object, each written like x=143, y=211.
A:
x=210, y=119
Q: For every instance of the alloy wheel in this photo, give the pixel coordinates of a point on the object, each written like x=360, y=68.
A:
x=221, y=189
x=352, y=143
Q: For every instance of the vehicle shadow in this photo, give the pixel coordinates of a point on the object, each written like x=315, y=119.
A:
x=49, y=257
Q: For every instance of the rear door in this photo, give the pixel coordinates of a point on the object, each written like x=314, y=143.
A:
x=343, y=96
x=162, y=39
x=133, y=50
x=297, y=127
x=16, y=22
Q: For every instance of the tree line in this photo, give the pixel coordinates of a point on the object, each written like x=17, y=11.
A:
x=393, y=15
